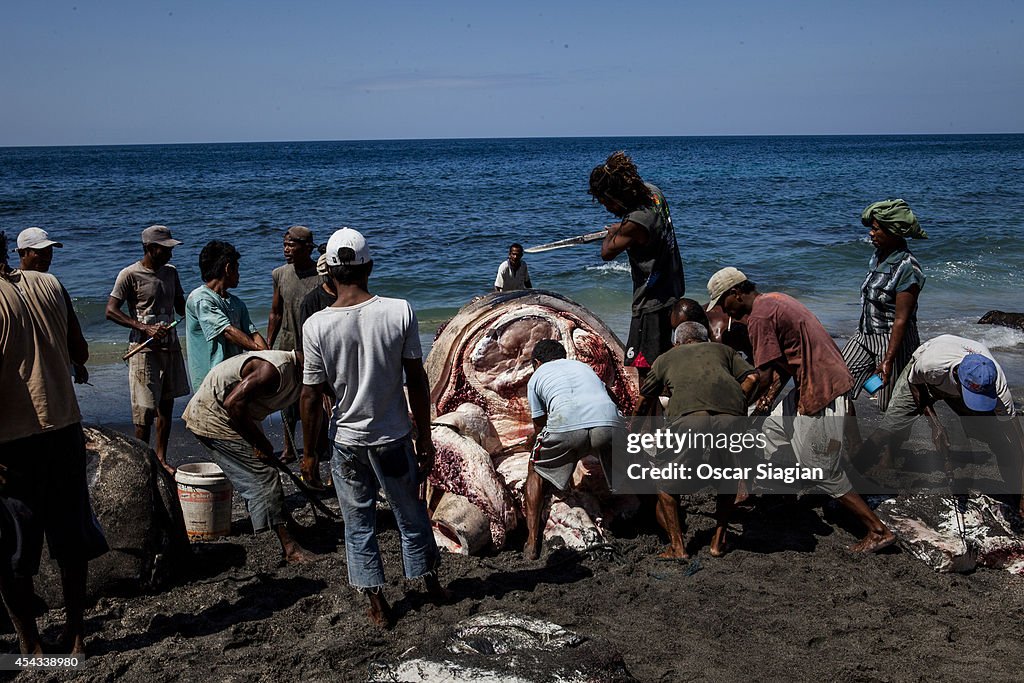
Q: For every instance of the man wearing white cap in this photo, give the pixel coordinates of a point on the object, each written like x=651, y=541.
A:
x=156, y=375
x=357, y=350
x=788, y=339
x=36, y=249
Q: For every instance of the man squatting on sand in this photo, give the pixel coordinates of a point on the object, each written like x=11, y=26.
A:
x=645, y=233
x=356, y=351
x=156, y=375
x=292, y=282
x=703, y=380
x=225, y=415
x=788, y=338
x=217, y=322
x=43, y=486
x=574, y=415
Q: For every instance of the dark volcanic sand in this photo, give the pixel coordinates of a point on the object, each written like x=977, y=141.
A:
x=789, y=602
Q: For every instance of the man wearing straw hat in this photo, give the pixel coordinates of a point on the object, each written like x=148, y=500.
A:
x=156, y=374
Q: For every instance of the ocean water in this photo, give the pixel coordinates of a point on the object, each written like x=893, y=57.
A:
x=439, y=216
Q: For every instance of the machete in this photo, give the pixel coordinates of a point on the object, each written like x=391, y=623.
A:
x=569, y=242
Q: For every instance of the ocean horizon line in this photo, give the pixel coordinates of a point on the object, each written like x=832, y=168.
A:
x=512, y=138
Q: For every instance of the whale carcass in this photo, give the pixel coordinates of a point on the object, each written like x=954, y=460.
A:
x=478, y=370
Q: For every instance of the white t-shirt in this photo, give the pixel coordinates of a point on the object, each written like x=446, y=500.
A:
x=572, y=396
x=508, y=281
x=358, y=350
x=933, y=364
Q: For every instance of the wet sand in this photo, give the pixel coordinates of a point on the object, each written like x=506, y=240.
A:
x=788, y=602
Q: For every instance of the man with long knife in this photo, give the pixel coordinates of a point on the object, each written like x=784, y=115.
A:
x=645, y=233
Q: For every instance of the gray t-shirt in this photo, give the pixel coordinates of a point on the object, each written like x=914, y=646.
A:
x=358, y=350
x=293, y=285
x=150, y=296
x=656, y=267
x=573, y=397
x=205, y=414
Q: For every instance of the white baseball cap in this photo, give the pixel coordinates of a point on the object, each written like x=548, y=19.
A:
x=35, y=238
x=721, y=282
x=350, y=239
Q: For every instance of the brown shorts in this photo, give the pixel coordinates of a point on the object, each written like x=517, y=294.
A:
x=154, y=377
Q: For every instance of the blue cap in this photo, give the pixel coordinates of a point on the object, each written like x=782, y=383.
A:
x=978, y=375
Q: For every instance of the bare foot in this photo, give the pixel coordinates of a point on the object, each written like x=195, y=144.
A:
x=72, y=644
x=530, y=552
x=673, y=553
x=170, y=470
x=288, y=457
x=742, y=493
x=299, y=555
x=379, y=611
x=439, y=595
x=874, y=542
x=719, y=547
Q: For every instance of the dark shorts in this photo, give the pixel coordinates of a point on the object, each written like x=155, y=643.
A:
x=650, y=335
x=46, y=493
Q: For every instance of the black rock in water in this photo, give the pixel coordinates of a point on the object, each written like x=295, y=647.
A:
x=1014, y=320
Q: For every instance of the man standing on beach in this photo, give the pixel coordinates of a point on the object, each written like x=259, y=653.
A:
x=357, y=350
x=513, y=273
x=156, y=375
x=35, y=249
x=645, y=233
x=573, y=416
x=217, y=323
x=225, y=415
x=43, y=489
x=292, y=281
x=790, y=340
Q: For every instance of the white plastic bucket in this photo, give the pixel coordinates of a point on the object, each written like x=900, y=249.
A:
x=459, y=526
x=205, y=496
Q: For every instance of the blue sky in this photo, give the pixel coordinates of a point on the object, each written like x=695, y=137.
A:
x=158, y=72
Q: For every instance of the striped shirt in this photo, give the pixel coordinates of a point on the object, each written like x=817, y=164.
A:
x=897, y=273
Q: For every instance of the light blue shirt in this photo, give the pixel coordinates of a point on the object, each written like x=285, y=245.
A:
x=207, y=315
x=572, y=396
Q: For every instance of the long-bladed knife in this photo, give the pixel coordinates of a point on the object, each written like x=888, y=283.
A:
x=569, y=242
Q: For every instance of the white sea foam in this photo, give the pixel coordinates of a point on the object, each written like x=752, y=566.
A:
x=610, y=267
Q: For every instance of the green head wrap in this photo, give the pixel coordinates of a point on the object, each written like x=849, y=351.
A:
x=895, y=216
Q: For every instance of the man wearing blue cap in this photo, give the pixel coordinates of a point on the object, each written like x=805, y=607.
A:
x=963, y=373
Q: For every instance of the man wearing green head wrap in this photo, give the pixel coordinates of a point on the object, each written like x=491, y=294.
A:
x=894, y=216
x=887, y=333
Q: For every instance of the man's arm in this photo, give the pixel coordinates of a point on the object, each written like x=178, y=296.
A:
x=622, y=236
x=905, y=303
x=276, y=311
x=259, y=378
x=78, y=348
x=254, y=343
x=419, y=404
x=311, y=414
x=926, y=402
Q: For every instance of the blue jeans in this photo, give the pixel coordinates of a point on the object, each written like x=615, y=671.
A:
x=358, y=472
x=257, y=483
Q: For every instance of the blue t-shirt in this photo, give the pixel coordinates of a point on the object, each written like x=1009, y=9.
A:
x=207, y=315
x=572, y=396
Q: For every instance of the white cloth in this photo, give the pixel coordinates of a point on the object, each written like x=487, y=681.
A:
x=934, y=361
x=358, y=350
x=508, y=281
x=572, y=396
